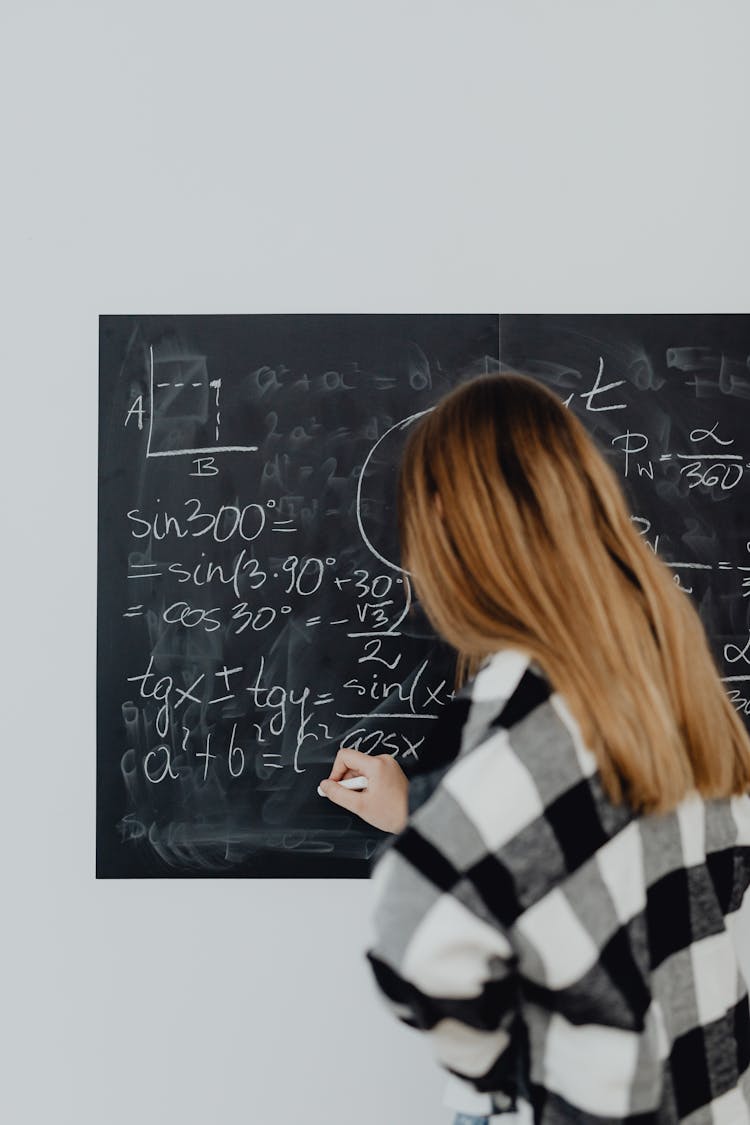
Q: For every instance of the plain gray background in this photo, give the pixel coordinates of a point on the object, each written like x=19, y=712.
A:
x=338, y=156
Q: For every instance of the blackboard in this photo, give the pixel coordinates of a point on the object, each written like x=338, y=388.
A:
x=252, y=616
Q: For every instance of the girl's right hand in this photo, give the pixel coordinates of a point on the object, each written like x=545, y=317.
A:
x=384, y=803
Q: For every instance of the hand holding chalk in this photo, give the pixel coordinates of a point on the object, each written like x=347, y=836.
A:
x=348, y=783
x=377, y=793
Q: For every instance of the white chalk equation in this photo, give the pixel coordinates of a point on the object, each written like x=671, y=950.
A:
x=702, y=466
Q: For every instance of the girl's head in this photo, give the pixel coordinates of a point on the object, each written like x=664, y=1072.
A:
x=516, y=533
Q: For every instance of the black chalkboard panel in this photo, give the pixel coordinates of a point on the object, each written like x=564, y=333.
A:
x=251, y=614
x=252, y=617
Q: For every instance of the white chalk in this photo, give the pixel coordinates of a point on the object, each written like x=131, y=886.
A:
x=354, y=782
x=348, y=783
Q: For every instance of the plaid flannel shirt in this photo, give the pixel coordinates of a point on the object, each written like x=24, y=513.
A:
x=557, y=948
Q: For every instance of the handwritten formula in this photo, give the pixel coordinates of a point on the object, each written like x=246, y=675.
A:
x=253, y=616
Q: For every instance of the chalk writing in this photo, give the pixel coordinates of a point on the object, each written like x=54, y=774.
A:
x=254, y=616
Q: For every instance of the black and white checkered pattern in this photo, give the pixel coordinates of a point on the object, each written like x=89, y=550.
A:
x=555, y=947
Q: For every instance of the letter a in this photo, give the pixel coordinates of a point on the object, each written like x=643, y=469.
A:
x=136, y=408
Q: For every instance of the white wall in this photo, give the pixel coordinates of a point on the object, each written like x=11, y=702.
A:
x=399, y=155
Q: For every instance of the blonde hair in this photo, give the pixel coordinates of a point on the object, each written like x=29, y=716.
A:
x=530, y=545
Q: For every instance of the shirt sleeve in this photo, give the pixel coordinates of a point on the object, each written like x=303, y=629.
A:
x=421, y=787
x=440, y=966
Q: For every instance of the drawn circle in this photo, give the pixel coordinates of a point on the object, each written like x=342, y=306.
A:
x=286, y=609
x=382, y=466
x=330, y=562
x=270, y=503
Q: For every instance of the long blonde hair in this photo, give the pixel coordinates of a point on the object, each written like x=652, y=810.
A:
x=516, y=534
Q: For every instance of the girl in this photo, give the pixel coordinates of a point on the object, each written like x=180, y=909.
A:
x=561, y=904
